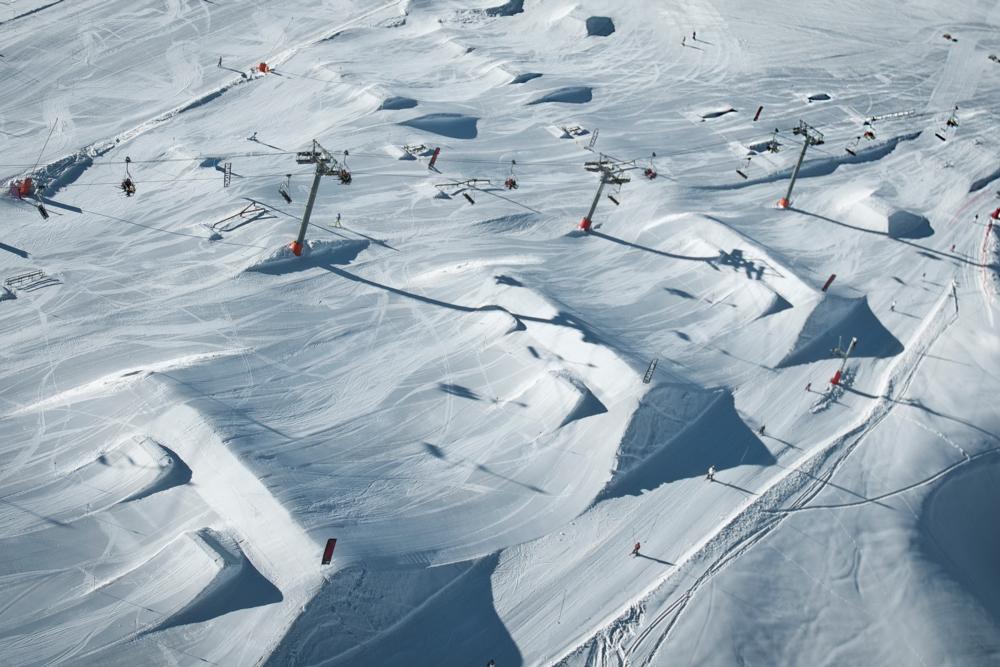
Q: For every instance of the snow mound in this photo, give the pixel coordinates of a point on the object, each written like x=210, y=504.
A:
x=835, y=320
x=586, y=405
x=282, y=260
x=877, y=213
x=454, y=125
x=717, y=113
x=677, y=432
x=237, y=584
x=568, y=95
x=526, y=77
x=600, y=26
x=395, y=103
x=6, y=294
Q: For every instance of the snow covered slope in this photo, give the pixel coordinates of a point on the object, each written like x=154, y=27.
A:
x=450, y=379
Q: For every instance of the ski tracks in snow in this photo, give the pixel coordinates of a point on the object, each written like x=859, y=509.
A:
x=757, y=517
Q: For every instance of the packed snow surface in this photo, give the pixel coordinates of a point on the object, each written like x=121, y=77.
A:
x=486, y=406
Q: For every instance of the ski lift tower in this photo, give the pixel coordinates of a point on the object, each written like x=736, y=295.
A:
x=613, y=172
x=811, y=137
x=326, y=165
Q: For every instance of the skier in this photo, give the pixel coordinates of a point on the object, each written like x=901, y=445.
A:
x=635, y=549
x=683, y=41
x=253, y=137
x=761, y=430
x=809, y=386
x=220, y=61
x=694, y=35
x=953, y=247
x=711, y=474
x=337, y=224
x=893, y=306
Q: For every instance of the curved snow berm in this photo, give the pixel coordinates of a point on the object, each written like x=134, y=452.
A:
x=835, y=320
x=314, y=253
x=134, y=468
x=677, y=432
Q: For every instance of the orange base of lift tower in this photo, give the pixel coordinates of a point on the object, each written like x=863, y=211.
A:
x=585, y=224
x=784, y=203
x=296, y=248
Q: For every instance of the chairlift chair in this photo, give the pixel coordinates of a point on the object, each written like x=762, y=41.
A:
x=744, y=166
x=650, y=171
x=344, y=174
x=283, y=189
x=511, y=182
x=773, y=146
x=128, y=185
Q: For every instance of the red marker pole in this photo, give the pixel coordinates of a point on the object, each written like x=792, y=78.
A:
x=328, y=551
x=829, y=281
x=757, y=115
x=437, y=151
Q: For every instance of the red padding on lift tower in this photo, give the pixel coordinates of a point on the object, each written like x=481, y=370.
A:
x=585, y=224
x=829, y=281
x=263, y=68
x=328, y=551
x=783, y=203
x=24, y=189
x=996, y=214
x=296, y=248
x=836, y=378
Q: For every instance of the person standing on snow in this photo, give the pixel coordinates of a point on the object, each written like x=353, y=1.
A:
x=711, y=474
x=761, y=431
x=635, y=549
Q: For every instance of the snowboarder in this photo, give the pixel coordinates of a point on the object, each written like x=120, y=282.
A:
x=893, y=306
x=761, y=430
x=635, y=549
x=711, y=474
